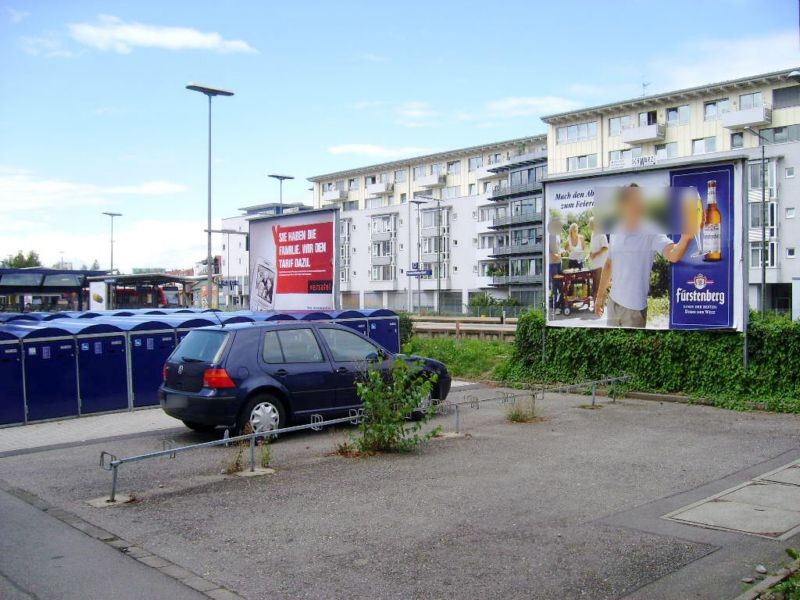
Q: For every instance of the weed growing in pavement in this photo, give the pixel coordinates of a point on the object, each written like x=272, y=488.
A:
x=236, y=464
x=523, y=411
x=389, y=398
x=265, y=453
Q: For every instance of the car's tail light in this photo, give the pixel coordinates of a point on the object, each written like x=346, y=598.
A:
x=217, y=378
x=164, y=373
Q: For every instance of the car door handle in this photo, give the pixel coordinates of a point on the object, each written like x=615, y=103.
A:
x=281, y=373
x=342, y=370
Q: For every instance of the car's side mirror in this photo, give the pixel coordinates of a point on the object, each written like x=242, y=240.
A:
x=373, y=357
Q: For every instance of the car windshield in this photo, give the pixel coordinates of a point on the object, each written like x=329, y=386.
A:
x=201, y=345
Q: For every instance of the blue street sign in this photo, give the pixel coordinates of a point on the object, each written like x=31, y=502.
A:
x=419, y=272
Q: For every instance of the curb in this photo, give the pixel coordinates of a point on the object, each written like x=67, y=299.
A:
x=754, y=592
x=186, y=577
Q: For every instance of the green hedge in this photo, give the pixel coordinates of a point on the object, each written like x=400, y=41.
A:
x=700, y=364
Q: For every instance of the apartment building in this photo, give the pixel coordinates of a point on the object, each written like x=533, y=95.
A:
x=470, y=218
x=719, y=121
x=232, y=249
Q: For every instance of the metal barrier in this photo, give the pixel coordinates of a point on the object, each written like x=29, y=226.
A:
x=110, y=462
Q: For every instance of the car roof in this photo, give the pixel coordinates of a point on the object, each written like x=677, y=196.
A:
x=261, y=325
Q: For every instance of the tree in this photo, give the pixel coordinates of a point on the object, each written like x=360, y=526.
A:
x=20, y=260
x=95, y=265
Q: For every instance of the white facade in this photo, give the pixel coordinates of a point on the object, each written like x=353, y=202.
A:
x=487, y=196
x=701, y=124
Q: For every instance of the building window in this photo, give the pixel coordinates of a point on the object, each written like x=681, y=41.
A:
x=474, y=163
x=780, y=135
x=649, y=117
x=454, y=167
x=473, y=189
x=430, y=245
x=448, y=193
x=350, y=205
x=786, y=97
x=352, y=184
x=370, y=179
x=678, y=115
x=665, y=151
x=790, y=253
x=377, y=202
x=382, y=224
x=574, y=133
x=431, y=218
x=756, y=178
x=789, y=212
x=495, y=158
x=382, y=248
x=419, y=172
x=752, y=100
x=382, y=273
x=436, y=169
x=618, y=158
x=327, y=187
x=757, y=250
x=400, y=176
x=712, y=110
x=585, y=161
x=737, y=140
x=403, y=198
x=788, y=172
x=704, y=145
x=617, y=124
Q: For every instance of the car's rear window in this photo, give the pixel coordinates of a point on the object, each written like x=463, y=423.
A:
x=201, y=345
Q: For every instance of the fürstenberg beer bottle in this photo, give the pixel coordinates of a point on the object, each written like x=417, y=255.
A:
x=712, y=230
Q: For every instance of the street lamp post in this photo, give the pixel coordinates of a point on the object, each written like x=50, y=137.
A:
x=764, y=243
x=112, y=215
x=281, y=179
x=419, y=203
x=210, y=92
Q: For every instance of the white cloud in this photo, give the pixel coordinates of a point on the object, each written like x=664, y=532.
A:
x=416, y=114
x=48, y=45
x=530, y=106
x=22, y=188
x=13, y=15
x=377, y=151
x=370, y=57
x=113, y=34
x=710, y=60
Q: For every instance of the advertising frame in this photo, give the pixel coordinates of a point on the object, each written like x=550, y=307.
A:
x=288, y=268
x=578, y=195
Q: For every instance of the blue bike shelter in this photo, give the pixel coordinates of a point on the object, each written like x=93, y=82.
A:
x=50, y=369
x=102, y=364
x=384, y=327
x=352, y=319
x=12, y=389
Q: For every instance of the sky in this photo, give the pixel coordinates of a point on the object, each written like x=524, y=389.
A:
x=94, y=114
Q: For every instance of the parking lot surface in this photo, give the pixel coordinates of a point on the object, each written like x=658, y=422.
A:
x=569, y=507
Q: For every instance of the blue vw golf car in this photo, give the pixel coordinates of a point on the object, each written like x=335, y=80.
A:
x=270, y=375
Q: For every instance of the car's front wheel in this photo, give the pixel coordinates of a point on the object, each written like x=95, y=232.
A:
x=262, y=412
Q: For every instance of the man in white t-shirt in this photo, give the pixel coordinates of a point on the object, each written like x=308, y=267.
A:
x=598, y=253
x=631, y=252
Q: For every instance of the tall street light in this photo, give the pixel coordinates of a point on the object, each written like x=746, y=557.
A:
x=281, y=179
x=111, y=215
x=210, y=92
x=764, y=244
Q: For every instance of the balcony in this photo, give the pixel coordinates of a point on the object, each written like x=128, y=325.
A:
x=515, y=190
x=528, y=158
x=334, y=196
x=644, y=133
x=380, y=261
x=432, y=181
x=379, y=189
x=526, y=216
x=739, y=119
x=517, y=279
x=516, y=249
x=381, y=236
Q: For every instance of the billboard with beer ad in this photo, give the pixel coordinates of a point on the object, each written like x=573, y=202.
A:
x=659, y=249
x=292, y=261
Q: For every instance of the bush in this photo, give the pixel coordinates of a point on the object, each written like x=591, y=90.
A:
x=389, y=399
x=700, y=364
x=471, y=359
x=406, y=327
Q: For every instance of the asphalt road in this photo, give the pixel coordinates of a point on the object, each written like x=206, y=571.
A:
x=570, y=507
x=44, y=558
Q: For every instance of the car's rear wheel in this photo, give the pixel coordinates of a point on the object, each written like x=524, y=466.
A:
x=263, y=412
x=201, y=427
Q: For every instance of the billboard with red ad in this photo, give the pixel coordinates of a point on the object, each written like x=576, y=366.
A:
x=292, y=261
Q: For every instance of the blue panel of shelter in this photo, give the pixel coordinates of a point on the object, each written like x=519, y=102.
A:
x=149, y=351
x=8, y=316
x=384, y=328
x=229, y=319
x=89, y=314
x=51, y=377
x=102, y=372
x=352, y=319
x=276, y=317
x=22, y=317
x=313, y=316
x=12, y=396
